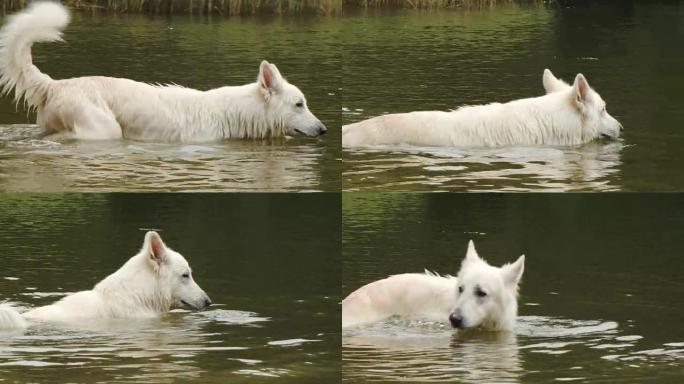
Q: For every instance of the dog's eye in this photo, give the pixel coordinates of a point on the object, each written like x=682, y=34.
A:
x=300, y=104
x=460, y=289
x=186, y=275
x=480, y=293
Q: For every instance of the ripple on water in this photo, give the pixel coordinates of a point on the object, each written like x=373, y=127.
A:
x=291, y=342
x=592, y=167
x=173, y=343
x=228, y=316
x=264, y=372
x=30, y=164
x=398, y=349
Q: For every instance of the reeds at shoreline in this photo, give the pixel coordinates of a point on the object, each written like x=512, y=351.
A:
x=260, y=7
x=431, y=4
x=197, y=7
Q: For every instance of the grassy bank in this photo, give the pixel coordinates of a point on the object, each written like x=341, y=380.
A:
x=432, y=4
x=259, y=7
x=197, y=7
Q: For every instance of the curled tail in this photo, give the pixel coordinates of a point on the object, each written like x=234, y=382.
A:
x=10, y=319
x=39, y=22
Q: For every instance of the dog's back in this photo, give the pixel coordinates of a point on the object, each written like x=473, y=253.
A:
x=423, y=295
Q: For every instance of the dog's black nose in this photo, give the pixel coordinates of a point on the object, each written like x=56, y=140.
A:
x=456, y=320
x=322, y=129
x=207, y=302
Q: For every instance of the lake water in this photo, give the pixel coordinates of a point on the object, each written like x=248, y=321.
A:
x=401, y=61
x=273, y=320
x=600, y=296
x=194, y=52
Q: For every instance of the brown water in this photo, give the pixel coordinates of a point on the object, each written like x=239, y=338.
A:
x=194, y=52
x=401, y=61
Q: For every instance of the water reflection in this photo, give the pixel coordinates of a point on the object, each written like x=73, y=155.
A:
x=428, y=352
x=589, y=167
x=159, y=349
x=29, y=164
x=399, y=349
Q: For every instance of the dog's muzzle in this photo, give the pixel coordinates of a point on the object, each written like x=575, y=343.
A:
x=456, y=320
x=319, y=129
x=322, y=129
x=200, y=304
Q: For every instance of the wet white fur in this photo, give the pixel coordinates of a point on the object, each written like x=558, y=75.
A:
x=433, y=297
x=100, y=108
x=568, y=115
x=147, y=285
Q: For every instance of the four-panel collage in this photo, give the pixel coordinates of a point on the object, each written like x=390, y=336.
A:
x=341, y=191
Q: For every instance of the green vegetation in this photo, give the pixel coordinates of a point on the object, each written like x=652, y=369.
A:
x=432, y=4
x=259, y=7
x=197, y=7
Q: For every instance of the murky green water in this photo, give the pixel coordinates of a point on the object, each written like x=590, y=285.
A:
x=600, y=298
x=197, y=53
x=270, y=263
x=405, y=61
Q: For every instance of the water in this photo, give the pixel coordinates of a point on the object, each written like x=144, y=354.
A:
x=272, y=319
x=400, y=61
x=194, y=52
x=599, y=296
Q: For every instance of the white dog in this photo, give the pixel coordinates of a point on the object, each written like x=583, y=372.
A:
x=147, y=285
x=566, y=115
x=101, y=108
x=480, y=296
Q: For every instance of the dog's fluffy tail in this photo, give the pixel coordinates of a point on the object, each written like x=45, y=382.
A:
x=10, y=319
x=39, y=22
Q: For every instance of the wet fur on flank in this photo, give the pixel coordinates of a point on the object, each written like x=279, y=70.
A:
x=568, y=115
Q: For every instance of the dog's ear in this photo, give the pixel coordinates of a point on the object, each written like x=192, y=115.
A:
x=513, y=272
x=551, y=83
x=580, y=89
x=155, y=249
x=471, y=253
x=269, y=79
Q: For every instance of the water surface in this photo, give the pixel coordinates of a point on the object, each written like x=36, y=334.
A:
x=401, y=61
x=201, y=53
x=272, y=319
x=600, y=295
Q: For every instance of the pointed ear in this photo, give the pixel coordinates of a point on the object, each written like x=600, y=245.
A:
x=269, y=79
x=513, y=272
x=580, y=89
x=471, y=253
x=552, y=83
x=155, y=248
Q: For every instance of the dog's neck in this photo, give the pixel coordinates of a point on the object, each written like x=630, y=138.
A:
x=507, y=321
x=244, y=114
x=152, y=297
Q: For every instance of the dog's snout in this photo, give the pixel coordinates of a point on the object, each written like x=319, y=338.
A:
x=322, y=129
x=622, y=128
x=207, y=302
x=456, y=320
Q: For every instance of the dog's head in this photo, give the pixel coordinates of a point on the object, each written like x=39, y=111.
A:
x=173, y=274
x=588, y=103
x=287, y=103
x=486, y=296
